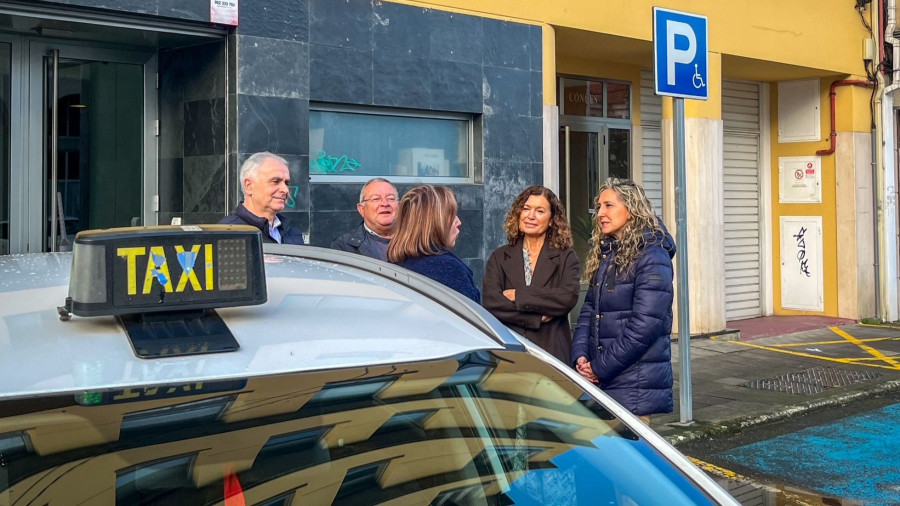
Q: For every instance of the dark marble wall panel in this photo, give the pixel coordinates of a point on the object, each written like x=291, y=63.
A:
x=171, y=187
x=508, y=91
x=189, y=10
x=274, y=19
x=335, y=196
x=535, y=39
x=469, y=244
x=192, y=129
x=326, y=225
x=536, y=92
x=340, y=75
x=469, y=196
x=192, y=10
x=514, y=138
x=279, y=125
x=204, y=184
x=402, y=82
x=456, y=87
x=477, y=266
x=298, y=198
x=506, y=44
x=401, y=31
x=273, y=68
x=204, y=127
x=130, y=6
x=341, y=23
x=206, y=70
x=456, y=37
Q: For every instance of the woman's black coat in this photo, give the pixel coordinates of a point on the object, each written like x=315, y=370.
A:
x=553, y=292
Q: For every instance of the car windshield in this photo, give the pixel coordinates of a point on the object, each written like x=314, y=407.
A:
x=484, y=428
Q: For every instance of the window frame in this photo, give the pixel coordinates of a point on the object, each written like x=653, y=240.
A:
x=469, y=120
x=561, y=81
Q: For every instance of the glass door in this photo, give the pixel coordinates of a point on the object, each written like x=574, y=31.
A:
x=588, y=157
x=92, y=149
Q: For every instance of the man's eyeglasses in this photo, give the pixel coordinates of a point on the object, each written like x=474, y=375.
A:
x=378, y=199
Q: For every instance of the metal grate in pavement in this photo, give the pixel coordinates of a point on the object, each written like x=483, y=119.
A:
x=811, y=381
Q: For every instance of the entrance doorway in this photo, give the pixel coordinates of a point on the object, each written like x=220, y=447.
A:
x=81, y=149
x=589, y=155
x=594, y=145
x=87, y=142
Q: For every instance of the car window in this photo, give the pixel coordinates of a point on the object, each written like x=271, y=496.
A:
x=483, y=428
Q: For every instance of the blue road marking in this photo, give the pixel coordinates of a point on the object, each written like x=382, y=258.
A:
x=854, y=458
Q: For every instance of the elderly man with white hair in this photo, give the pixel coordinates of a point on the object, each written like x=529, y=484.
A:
x=264, y=183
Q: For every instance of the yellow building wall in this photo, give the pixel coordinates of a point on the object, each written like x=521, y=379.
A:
x=818, y=34
x=851, y=115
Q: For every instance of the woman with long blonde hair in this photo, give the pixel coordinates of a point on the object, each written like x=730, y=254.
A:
x=427, y=229
x=531, y=283
x=622, y=340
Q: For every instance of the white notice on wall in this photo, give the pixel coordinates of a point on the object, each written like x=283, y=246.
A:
x=223, y=12
x=799, y=180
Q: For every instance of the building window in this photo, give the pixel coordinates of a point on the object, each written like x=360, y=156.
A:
x=354, y=144
x=595, y=99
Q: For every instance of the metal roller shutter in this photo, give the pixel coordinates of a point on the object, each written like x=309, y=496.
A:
x=651, y=139
x=740, y=114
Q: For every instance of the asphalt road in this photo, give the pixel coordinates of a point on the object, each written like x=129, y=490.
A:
x=837, y=456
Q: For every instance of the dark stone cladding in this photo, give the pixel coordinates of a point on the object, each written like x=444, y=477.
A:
x=383, y=54
x=285, y=54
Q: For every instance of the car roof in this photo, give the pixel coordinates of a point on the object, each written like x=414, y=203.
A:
x=326, y=309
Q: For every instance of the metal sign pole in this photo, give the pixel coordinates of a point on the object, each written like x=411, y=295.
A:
x=681, y=241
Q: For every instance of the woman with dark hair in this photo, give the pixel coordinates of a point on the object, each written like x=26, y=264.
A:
x=531, y=283
x=622, y=340
x=426, y=231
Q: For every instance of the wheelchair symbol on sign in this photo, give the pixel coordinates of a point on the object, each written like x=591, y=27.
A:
x=698, y=79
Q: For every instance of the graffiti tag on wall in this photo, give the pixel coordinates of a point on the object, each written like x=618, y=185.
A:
x=331, y=164
x=800, y=237
x=292, y=196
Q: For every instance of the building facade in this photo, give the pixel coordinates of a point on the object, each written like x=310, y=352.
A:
x=121, y=113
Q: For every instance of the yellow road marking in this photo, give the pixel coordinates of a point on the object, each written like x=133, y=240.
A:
x=718, y=471
x=843, y=341
x=868, y=349
x=810, y=355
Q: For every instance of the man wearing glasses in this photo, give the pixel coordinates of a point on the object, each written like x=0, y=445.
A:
x=378, y=208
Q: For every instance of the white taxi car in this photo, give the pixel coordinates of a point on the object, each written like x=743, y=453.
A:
x=190, y=365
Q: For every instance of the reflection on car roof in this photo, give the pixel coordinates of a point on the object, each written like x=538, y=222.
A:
x=319, y=315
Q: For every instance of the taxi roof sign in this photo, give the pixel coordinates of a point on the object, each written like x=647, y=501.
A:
x=136, y=270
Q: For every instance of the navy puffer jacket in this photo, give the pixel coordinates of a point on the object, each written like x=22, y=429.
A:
x=625, y=326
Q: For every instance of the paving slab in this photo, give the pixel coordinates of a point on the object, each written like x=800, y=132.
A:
x=720, y=370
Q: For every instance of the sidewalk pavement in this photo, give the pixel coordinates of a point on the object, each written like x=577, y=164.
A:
x=738, y=384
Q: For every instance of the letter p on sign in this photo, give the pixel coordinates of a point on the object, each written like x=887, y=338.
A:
x=680, y=47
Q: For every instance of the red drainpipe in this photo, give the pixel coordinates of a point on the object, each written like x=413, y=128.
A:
x=833, y=94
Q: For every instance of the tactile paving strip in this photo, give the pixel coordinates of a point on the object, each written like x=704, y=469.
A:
x=811, y=381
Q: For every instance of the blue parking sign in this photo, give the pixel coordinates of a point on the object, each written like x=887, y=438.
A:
x=680, y=61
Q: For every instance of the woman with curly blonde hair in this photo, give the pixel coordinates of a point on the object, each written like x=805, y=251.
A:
x=622, y=340
x=531, y=283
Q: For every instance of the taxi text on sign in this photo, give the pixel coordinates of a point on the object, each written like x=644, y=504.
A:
x=680, y=62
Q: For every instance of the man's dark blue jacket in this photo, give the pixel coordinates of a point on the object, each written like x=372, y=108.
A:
x=241, y=216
